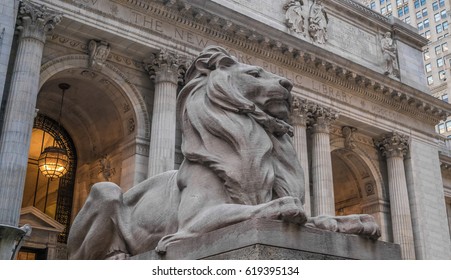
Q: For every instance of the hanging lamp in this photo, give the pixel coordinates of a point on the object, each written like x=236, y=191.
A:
x=53, y=161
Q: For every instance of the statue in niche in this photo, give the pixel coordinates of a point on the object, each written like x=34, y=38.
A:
x=317, y=22
x=239, y=164
x=389, y=51
x=295, y=16
x=98, y=53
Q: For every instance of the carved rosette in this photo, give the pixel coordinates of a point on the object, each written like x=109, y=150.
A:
x=320, y=118
x=166, y=66
x=393, y=144
x=299, y=112
x=34, y=21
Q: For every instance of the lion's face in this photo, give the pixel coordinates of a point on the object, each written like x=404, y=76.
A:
x=271, y=93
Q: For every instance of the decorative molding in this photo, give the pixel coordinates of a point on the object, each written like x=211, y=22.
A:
x=393, y=144
x=320, y=118
x=34, y=20
x=348, y=134
x=98, y=53
x=397, y=96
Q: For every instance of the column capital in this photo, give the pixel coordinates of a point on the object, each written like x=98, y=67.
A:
x=34, y=21
x=299, y=111
x=393, y=144
x=166, y=66
x=321, y=118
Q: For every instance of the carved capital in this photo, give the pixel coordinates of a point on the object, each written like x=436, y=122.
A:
x=393, y=144
x=166, y=66
x=321, y=118
x=98, y=53
x=299, y=112
x=34, y=21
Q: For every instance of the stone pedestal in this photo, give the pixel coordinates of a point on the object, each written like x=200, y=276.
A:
x=271, y=239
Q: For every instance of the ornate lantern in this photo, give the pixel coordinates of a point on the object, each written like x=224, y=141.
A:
x=53, y=161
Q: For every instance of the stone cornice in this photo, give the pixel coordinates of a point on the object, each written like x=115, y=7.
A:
x=300, y=57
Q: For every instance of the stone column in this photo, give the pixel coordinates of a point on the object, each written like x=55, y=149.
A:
x=164, y=69
x=394, y=147
x=323, y=202
x=299, y=121
x=34, y=21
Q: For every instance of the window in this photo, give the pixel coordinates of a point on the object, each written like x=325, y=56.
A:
x=389, y=9
x=440, y=62
x=420, y=26
x=400, y=12
x=418, y=15
x=383, y=10
x=416, y=4
x=382, y=1
x=430, y=80
x=373, y=5
x=398, y=3
x=448, y=126
x=437, y=17
x=439, y=28
x=426, y=23
x=427, y=34
x=423, y=2
x=445, y=98
x=428, y=68
x=406, y=9
x=426, y=55
x=445, y=47
x=441, y=3
x=443, y=14
x=438, y=50
x=441, y=128
x=424, y=12
x=445, y=25
x=442, y=75
x=407, y=20
x=435, y=6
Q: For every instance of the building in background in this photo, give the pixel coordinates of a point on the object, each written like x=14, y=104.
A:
x=431, y=18
x=99, y=79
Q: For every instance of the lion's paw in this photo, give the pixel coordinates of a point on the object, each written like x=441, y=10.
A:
x=285, y=208
x=353, y=224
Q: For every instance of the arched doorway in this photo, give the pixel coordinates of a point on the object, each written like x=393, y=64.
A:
x=358, y=188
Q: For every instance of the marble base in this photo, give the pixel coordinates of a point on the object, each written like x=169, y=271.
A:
x=263, y=239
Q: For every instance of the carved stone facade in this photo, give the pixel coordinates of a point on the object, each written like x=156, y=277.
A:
x=127, y=60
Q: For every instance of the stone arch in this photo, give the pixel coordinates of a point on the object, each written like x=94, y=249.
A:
x=364, y=193
x=66, y=62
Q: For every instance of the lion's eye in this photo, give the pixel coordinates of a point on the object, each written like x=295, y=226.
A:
x=255, y=74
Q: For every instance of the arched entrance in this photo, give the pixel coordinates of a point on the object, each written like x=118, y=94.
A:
x=358, y=187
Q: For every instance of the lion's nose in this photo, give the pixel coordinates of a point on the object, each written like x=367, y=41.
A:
x=286, y=84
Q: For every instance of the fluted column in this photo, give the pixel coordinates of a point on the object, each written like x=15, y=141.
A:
x=323, y=202
x=394, y=147
x=34, y=21
x=164, y=69
x=299, y=121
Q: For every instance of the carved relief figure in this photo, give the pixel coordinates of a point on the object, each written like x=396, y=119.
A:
x=318, y=22
x=105, y=168
x=389, y=50
x=239, y=164
x=295, y=16
x=98, y=53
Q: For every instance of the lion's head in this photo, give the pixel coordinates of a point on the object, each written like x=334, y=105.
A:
x=233, y=118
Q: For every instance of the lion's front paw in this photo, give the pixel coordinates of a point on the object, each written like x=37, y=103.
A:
x=353, y=224
x=285, y=208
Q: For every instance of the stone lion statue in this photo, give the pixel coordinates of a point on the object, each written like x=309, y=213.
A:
x=239, y=164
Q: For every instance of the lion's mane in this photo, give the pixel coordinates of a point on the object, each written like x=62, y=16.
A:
x=248, y=149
